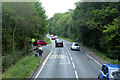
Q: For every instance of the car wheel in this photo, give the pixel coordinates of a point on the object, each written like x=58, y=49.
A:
x=71, y=49
x=56, y=46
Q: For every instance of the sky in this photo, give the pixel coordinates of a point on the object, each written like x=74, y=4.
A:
x=57, y=6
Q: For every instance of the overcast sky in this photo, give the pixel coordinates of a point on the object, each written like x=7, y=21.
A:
x=57, y=6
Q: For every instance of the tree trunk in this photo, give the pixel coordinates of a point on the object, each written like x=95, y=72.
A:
x=14, y=37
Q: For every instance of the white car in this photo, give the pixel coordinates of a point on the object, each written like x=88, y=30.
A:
x=47, y=34
x=51, y=35
x=56, y=37
x=75, y=46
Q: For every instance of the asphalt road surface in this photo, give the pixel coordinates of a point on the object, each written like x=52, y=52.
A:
x=61, y=62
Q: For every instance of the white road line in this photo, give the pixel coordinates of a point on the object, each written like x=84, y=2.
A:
x=39, y=72
x=68, y=51
x=94, y=59
x=70, y=54
x=43, y=65
x=73, y=64
x=71, y=58
x=76, y=75
x=81, y=50
x=46, y=58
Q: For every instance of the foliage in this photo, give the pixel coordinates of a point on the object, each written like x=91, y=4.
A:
x=21, y=22
x=47, y=40
x=95, y=24
x=26, y=66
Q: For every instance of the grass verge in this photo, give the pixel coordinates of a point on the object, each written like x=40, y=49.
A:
x=67, y=39
x=98, y=53
x=47, y=40
x=103, y=56
x=23, y=68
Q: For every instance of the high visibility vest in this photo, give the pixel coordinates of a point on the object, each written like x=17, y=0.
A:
x=33, y=40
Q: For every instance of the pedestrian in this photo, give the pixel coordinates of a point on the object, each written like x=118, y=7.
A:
x=40, y=50
x=35, y=53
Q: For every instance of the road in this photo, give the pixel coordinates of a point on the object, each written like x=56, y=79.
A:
x=64, y=63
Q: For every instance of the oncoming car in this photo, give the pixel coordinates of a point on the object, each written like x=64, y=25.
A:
x=51, y=35
x=75, y=46
x=58, y=43
x=56, y=37
x=109, y=72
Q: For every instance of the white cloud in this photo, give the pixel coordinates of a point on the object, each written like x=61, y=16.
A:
x=57, y=6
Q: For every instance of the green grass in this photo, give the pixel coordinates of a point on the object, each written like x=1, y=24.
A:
x=47, y=40
x=23, y=68
x=103, y=56
x=98, y=53
x=0, y=76
x=67, y=39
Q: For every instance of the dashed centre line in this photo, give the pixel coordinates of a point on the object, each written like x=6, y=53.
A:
x=73, y=64
x=76, y=75
x=71, y=58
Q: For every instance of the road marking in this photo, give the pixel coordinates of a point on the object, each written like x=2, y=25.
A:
x=94, y=59
x=71, y=58
x=70, y=54
x=69, y=62
x=39, y=72
x=47, y=58
x=76, y=75
x=73, y=64
x=68, y=51
x=81, y=50
x=43, y=65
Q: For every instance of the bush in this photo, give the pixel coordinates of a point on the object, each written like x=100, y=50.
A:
x=11, y=59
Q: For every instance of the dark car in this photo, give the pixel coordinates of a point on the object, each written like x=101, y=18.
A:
x=58, y=43
x=109, y=72
x=41, y=42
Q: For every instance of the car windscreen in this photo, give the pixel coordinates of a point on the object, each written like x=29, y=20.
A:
x=115, y=74
x=76, y=45
x=59, y=41
x=41, y=41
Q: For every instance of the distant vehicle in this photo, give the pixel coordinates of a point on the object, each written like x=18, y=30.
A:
x=57, y=40
x=109, y=72
x=47, y=34
x=58, y=43
x=75, y=46
x=53, y=38
x=51, y=35
x=56, y=37
x=41, y=42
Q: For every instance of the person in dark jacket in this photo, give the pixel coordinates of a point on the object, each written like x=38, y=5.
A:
x=40, y=50
x=35, y=53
